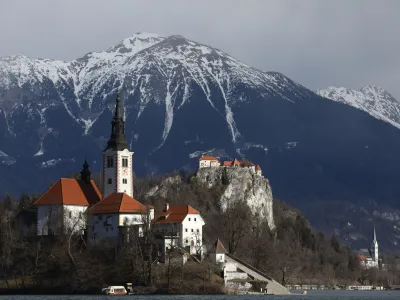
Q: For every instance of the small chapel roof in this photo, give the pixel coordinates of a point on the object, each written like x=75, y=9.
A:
x=175, y=214
x=258, y=168
x=118, y=203
x=70, y=191
x=219, y=248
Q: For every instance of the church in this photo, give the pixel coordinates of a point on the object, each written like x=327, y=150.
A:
x=369, y=258
x=78, y=206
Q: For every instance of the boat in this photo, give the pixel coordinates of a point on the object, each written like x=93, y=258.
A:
x=115, y=290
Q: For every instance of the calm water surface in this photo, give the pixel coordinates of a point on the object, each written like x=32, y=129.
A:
x=323, y=295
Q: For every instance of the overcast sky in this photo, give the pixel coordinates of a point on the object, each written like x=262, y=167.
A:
x=316, y=43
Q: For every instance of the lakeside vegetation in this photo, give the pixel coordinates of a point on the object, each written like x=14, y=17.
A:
x=293, y=253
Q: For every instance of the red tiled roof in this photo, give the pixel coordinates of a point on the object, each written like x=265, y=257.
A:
x=246, y=163
x=69, y=191
x=363, y=258
x=175, y=214
x=118, y=203
x=208, y=157
x=235, y=162
x=258, y=168
x=227, y=163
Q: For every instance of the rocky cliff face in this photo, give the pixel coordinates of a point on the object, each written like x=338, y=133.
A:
x=242, y=184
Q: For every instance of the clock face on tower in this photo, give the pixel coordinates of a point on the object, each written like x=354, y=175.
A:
x=125, y=171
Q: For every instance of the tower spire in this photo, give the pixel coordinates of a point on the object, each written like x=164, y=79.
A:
x=85, y=173
x=117, y=140
x=374, y=234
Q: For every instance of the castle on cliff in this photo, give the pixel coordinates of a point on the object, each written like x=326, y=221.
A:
x=208, y=161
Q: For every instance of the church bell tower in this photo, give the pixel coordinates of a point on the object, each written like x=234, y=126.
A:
x=374, y=248
x=117, y=159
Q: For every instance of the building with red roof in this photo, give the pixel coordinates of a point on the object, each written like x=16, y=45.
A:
x=63, y=206
x=207, y=161
x=110, y=216
x=114, y=212
x=180, y=226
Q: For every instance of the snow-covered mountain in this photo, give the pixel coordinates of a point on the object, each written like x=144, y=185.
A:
x=371, y=99
x=182, y=99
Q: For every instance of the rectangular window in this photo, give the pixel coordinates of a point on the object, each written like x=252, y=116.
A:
x=110, y=162
x=189, y=219
x=192, y=230
x=186, y=230
x=70, y=214
x=198, y=230
x=124, y=180
x=109, y=181
x=125, y=162
x=195, y=219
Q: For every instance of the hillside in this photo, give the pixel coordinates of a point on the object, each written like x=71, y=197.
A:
x=183, y=99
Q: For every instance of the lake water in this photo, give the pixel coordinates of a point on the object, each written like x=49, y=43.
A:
x=323, y=295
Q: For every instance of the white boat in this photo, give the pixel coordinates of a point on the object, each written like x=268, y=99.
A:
x=114, y=290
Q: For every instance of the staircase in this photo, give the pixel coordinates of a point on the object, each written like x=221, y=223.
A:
x=273, y=287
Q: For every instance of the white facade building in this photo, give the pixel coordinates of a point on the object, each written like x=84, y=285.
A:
x=207, y=161
x=115, y=216
x=54, y=218
x=63, y=207
x=181, y=226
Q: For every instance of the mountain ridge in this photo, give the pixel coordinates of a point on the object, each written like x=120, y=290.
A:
x=372, y=99
x=182, y=99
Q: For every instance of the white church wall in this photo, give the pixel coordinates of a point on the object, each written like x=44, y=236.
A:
x=109, y=174
x=121, y=177
x=48, y=216
x=103, y=228
x=74, y=217
x=125, y=176
x=55, y=216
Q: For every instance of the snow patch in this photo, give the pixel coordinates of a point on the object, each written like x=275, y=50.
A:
x=53, y=162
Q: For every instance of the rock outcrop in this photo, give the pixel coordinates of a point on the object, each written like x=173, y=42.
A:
x=242, y=184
